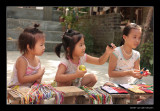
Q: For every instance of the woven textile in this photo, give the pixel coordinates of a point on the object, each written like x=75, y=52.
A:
x=146, y=88
x=97, y=96
x=39, y=92
x=138, y=88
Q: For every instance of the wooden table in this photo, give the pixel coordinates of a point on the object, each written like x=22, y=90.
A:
x=135, y=96
x=119, y=98
x=71, y=92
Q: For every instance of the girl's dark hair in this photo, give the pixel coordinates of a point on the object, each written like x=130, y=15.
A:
x=127, y=30
x=69, y=40
x=27, y=37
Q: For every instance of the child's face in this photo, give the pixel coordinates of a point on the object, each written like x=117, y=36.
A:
x=133, y=39
x=39, y=47
x=80, y=48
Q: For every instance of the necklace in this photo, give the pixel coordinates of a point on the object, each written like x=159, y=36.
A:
x=126, y=53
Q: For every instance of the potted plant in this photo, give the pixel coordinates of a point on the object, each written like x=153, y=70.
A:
x=67, y=23
x=61, y=18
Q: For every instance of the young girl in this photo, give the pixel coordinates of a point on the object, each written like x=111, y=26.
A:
x=68, y=72
x=27, y=68
x=124, y=63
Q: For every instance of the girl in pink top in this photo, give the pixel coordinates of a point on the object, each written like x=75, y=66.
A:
x=68, y=72
x=27, y=68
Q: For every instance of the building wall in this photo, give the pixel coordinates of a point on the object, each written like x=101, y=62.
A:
x=105, y=29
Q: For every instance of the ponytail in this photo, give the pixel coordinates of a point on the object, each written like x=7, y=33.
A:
x=69, y=39
x=58, y=49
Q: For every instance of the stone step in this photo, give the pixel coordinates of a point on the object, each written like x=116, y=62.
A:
x=49, y=45
x=34, y=14
x=44, y=25
x=50, y=35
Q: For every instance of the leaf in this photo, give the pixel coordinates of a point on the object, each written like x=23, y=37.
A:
x=151, y=61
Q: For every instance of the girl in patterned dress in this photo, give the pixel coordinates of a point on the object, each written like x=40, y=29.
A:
x=68, y=72
x=27, y=68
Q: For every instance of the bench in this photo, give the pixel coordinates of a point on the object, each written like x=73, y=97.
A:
x=70, y=94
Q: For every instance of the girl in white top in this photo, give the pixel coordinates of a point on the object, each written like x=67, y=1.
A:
x=68, y=72
x=124, y=63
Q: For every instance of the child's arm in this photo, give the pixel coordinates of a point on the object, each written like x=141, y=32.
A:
x=39, y=80
x=113, y=73
x=21, y=66
x=61, y=77
x=103, y=58
x=137, y=66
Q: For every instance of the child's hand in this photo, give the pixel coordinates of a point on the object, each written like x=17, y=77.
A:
x=146, y=73
x=136, y=74
x=109, y=49
x=80, y=73
x=41, y=71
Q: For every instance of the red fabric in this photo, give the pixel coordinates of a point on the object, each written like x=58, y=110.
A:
x=144, y=86
x=119, y=90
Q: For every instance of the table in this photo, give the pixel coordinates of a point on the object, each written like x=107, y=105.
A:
x=135, y=96
x=70, y=93
x=119, y=98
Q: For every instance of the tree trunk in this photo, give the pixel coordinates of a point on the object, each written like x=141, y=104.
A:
x=131, y=14
x=147, y=25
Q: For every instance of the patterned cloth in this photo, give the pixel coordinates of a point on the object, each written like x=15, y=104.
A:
x=37, y=93
x=124, y=65
x=114, y=90
x=97, y=96
x=138, y=88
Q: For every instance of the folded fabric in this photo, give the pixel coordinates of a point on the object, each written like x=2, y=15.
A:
x=144, y=85
x=126, y=86
x=119, y=90
x=136, y=90
x=109, y=89
x=133, y=88
x=146, y=90
x=150, y=88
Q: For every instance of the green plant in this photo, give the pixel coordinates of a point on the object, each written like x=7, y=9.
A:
x=72, y=17
x=60, y=8
x=147, y=56
x=88, y=37
x=71, y=21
